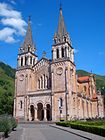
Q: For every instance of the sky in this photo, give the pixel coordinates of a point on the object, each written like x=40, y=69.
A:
x=85, y=23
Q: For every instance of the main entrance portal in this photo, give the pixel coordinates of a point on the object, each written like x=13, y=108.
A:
x=40, y=111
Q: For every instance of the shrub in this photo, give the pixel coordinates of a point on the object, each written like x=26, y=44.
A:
x=7, y=123
x=5, y=126
x=89, y=128
x=96, y=127
x=66, y=124
x=14, y=123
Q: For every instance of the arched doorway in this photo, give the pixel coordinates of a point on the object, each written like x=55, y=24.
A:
x=48, y=112
x=40, y=112
x=32, y=112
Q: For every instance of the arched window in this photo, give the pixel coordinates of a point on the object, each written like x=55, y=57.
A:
x=30, y=59
x=57, y=53
x=38, y=84
x=62, y=52
x=84, y=88
x=44, y=81
x=25, y=60
x=21, y=104
x=41, y=82
x=60, y=102
x=21, y=61
x=65, y=39
x=34, y=61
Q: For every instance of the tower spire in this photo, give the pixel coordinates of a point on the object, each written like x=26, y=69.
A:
x=61, y=24
x=61, y=34
x=28, y=41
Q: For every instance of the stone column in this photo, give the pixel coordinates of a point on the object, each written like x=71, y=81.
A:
x=72, y=55
x=45, y=114
x=83, y=113
x=89, y=110
x=32, y=61
x=28, y=60
x=52, y=98
x=69, y=52
x=23, y=60
x=25, y=107
x=43, y=81
x=60, y=53
x=85, y=109
x=29, y=116
x=36, y=119
x=40, y=83
x=46, y=82
x=54, y=54
x=67, y=55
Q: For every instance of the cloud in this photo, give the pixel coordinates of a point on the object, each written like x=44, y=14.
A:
x=6, y=35
x=7, y=11
x=76, y=51
x=12, y=22
x=16, y=23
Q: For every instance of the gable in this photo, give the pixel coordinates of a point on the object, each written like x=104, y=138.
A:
x=41, y=63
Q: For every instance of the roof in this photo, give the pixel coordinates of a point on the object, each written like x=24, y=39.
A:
x=83, y=79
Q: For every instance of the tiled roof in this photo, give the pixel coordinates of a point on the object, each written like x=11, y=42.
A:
x=83, y=79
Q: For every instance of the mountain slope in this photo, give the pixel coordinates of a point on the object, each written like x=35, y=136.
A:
x=7, y=75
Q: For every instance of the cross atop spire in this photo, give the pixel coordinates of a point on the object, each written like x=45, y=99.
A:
x=28, y=44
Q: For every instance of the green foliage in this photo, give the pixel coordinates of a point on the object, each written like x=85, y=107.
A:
x=6, y=88
x=65, y=124
x=7, y=124
x=8, y=70
x=96, y=127
x=89, y=128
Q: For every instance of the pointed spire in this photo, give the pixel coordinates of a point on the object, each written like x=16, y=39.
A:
x=28, y=44
x=28, y=39
x=61, y=36
x=61, y=25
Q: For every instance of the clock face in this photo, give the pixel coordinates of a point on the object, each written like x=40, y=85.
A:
x=21, y=77
x=59, y=70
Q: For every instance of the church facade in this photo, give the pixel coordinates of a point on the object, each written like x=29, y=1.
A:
x=50, y=90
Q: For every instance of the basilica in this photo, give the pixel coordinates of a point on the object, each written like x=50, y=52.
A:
x=50, y=90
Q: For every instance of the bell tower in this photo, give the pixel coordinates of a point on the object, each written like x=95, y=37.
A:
x=24, y=74
x=63, y=71
x=26, y=55
x=62, y=47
